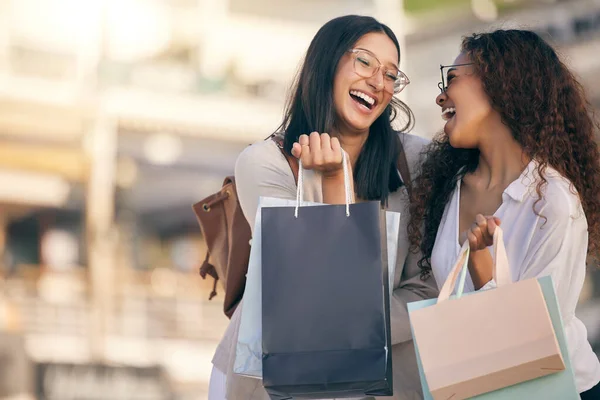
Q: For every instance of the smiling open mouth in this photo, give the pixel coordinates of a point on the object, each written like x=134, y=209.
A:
x=363, y=99
x=448, y=113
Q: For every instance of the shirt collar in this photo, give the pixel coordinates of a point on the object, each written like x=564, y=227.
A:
x=521, y=186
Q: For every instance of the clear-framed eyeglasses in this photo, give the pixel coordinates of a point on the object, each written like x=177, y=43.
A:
x=367, y=65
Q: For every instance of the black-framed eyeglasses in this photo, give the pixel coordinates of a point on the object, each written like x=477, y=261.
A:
x=443, y=85
x=367, y=65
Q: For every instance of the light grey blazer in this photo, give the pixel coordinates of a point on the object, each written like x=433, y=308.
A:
x=261, y=170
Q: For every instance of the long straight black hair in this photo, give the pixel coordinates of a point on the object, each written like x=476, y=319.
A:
x=310, y=106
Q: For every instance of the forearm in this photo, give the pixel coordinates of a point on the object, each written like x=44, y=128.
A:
x=480, y=267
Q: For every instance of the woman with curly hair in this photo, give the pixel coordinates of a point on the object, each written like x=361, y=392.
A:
x=518, y=148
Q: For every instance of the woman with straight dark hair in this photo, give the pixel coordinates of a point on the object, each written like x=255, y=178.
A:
x=518, y=148
x=343, y=98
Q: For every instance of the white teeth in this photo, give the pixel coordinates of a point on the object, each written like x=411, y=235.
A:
x=448, y=113
x=363, y=96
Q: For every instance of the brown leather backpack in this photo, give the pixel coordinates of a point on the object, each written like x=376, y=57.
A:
x=227, y=233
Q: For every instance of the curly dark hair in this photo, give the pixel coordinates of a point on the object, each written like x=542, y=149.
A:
x=544, y=106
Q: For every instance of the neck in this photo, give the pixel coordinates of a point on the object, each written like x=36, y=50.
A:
x=501, y=158
x=352, y=143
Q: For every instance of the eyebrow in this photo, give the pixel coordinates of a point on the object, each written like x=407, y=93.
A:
x=373, y=54
x=448, y=77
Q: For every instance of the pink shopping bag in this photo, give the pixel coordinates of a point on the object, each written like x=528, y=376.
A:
x=489, y=340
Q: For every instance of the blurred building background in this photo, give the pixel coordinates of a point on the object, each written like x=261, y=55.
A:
x=117, y=115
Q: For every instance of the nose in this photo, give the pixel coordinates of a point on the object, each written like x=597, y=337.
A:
x=441, y=98
x=376, y=81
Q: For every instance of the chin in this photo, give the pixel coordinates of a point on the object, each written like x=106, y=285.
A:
x=361, y=127
x=359, y=124
x=457, y=143
x=454, y=140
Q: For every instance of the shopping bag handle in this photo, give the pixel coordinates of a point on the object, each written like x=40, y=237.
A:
x=500, y=272
x=300, y=185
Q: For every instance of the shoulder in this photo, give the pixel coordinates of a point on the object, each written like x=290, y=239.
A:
x=413, y=146
x=261, y=156
x=560, y=200
x=413, y=142
x=261, y=169
x=265, y=149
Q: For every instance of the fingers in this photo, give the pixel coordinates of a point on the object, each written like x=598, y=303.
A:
x=329, y=154
x=318, y=151
x=324, y=143
x=336, y=147
x=297, y=150
x=473, y=241
x=315, y=142
x=483, y=225
x=306, y=150
x=481, y=233
x=311, y=151
x=496, y=219
x=303, y=143
x=480, y=221
x=303, y=140
x=476, y=233
x=492, y=223
x=491, y=226
x=334, y=152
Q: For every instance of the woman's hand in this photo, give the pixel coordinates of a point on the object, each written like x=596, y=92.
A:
x=320, y=152
x=481, y=233
x=323, y=153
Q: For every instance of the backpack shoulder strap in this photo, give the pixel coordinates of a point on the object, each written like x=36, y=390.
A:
x=402, y=165
x=292, y=161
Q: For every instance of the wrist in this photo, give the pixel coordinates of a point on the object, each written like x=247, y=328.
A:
x=333, y=175
x=477, y=253
x=480, y=257
x=480, y=267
